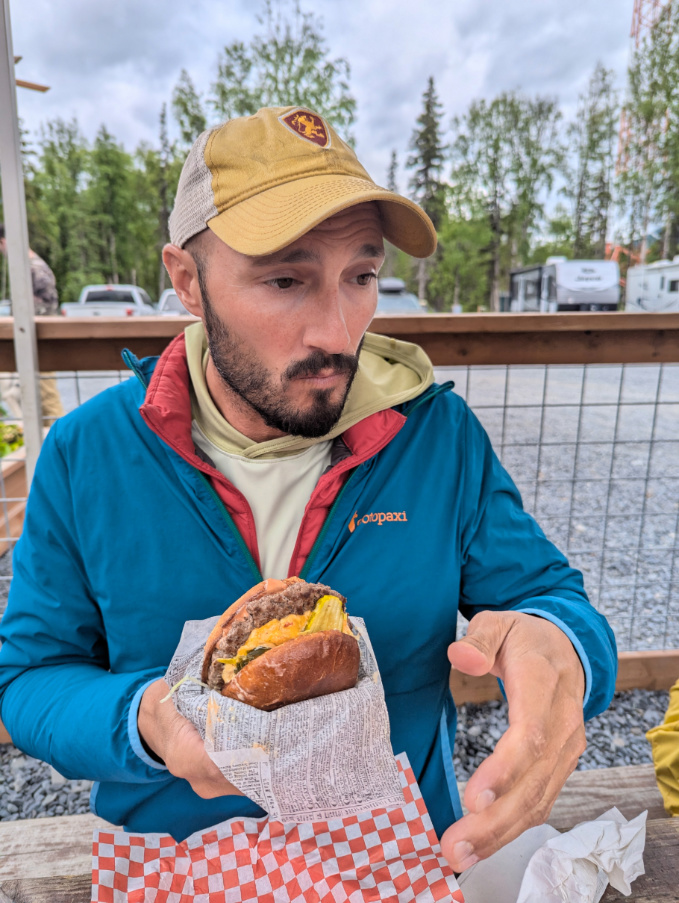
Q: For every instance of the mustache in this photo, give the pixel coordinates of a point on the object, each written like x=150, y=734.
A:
x=319, y=361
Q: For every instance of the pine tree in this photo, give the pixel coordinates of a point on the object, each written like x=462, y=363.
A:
x=426, y=161
x=428, y=156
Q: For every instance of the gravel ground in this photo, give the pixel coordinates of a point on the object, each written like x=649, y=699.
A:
x=615, y=737
x=31, y=789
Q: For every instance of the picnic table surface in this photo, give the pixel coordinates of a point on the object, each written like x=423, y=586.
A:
x=48, y=860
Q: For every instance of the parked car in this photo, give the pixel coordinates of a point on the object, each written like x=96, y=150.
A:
x=111, y=301
x=169, y=305
x=394, y=298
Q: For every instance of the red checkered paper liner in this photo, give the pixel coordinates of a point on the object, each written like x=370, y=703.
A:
x=386, y=855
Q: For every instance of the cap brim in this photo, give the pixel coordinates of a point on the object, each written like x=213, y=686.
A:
x=273, y=219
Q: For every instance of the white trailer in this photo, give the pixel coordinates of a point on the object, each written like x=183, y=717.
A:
x=653, y=286
x=565, y=285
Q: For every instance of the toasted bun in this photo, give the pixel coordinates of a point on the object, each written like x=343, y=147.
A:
x=310, y=665
x=238, y=608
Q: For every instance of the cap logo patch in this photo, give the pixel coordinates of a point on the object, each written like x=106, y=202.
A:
x=308, y=126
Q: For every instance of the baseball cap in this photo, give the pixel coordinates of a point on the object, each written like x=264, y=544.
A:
x=260, y=182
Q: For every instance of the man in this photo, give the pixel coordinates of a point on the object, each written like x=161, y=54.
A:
x=46, y=304
x=281, y=439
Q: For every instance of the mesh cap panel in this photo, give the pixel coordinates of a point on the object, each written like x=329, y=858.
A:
x=194, y=204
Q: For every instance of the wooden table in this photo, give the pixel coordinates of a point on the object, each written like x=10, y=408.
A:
x=47, y=860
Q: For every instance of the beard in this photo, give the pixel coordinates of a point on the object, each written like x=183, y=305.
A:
x=264, y=393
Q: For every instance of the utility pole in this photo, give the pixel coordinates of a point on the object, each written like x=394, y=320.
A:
x=16, y=234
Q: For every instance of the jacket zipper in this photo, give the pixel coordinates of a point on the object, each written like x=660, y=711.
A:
x=229, y=520
x=324, y=528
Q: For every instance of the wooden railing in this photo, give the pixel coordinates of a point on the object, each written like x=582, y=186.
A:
x=95, y=343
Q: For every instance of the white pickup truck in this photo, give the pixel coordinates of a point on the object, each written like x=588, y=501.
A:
x=111, y=301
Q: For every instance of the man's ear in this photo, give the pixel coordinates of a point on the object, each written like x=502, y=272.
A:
x=184, y=276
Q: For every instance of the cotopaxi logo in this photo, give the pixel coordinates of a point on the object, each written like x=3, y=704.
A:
x=376, y=517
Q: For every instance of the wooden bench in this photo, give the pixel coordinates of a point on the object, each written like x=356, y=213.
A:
x=48, y=860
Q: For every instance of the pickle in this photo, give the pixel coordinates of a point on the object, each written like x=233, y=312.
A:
x=327, y=615
x=233, y=665
x=252, y=654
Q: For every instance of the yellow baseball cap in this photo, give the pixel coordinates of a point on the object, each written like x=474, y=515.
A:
x=260, y=182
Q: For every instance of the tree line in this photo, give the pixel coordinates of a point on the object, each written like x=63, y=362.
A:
x=507, y=183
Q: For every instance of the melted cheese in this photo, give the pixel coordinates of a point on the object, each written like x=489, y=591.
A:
x=275, y=632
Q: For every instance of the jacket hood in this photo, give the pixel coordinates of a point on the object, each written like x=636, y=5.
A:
x=390, y=372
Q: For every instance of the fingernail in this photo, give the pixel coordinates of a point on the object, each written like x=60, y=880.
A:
x=484, y=799
x=464, y=855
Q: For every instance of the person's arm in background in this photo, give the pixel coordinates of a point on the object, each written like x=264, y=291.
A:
x=58, y=700
x=532, y=626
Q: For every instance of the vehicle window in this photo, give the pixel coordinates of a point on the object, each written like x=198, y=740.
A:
x=144, y=296
x=398, y=303
x=673, y=285
x=112, y=295
x=172, y=302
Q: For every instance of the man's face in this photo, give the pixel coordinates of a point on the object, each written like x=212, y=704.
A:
x=284, y=331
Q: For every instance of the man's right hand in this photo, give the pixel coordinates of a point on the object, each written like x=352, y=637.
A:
x=177, y=742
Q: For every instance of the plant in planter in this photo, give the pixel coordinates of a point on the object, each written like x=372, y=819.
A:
x=11, y=435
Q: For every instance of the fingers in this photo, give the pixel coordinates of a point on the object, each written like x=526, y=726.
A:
x=178, y=743
x=517, y=785
x=496, y=822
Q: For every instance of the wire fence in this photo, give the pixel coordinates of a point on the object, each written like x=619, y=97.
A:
x=593, y=449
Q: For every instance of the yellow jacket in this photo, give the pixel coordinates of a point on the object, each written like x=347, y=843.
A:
x=664, y=741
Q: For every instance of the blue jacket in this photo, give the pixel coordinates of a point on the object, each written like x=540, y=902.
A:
x=125, y=540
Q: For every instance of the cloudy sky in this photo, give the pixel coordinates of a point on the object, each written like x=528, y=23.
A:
x=116, y=63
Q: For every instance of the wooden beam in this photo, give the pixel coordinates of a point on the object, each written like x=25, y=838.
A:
x=48, y=847
x=95, y=343
x=588, y=794
x=656, y=670
x=32, y=85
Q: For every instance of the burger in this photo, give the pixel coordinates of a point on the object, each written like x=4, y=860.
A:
x=282, y=642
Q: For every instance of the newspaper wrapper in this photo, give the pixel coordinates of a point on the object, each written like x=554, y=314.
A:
x=323, y=758
x=545, y=866
x=391, y=855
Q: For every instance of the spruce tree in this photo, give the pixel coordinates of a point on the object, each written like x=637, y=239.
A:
x=426, y=161
x=428, y=155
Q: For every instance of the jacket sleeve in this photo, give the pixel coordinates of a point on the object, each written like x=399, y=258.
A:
x=508, y=563
x=58, y=699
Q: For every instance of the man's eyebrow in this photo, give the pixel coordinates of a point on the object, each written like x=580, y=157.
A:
x=304, y=255
x=299, y=255
x=371, y=251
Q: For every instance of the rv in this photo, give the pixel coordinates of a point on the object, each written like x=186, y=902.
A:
x=653, y=286
x=562, y=285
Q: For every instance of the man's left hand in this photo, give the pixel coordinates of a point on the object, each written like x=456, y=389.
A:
x=515, y=787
